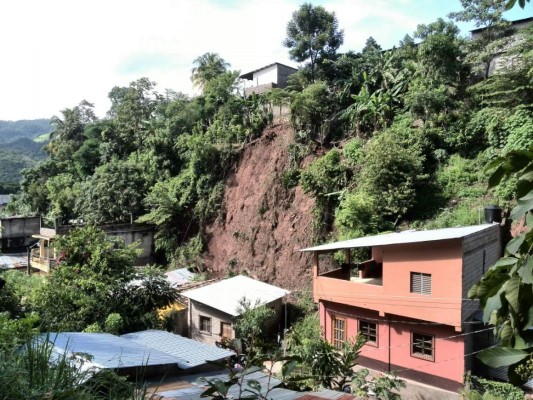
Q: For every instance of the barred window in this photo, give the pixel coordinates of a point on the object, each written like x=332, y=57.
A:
x=369, y=330
x=420, y=283
x=423, y=346
x=338, y=331
x=205, y=324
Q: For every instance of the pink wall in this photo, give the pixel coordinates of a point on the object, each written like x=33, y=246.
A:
x=449, y=353
x=443, y=260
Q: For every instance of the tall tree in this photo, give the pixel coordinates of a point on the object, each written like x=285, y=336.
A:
x=207, y=67
x=313, y=34
x=68, y=133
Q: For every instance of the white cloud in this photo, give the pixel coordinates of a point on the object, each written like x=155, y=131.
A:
x=57, y=52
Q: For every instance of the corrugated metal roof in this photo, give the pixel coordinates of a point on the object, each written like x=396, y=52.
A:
x=227, y=294
x=5, y=198
x=13, y=261
x=404, y=238
x=179, y=277
x=195, y=389
x=110, y=351
x=190, y=352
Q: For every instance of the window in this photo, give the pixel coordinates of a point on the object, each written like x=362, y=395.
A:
x=420, y=283
x=338, y=331
x=369, y=330
x=226, y=331
x=205, y=324
x=423, y=346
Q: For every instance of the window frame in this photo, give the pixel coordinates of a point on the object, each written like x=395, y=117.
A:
x=230, y=327
x=425, y=282
x=366, y=334
x=208, y=320
x=422, y=355
x=338, y=343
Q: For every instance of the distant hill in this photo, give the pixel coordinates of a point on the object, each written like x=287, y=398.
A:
x=19, y=150
x=12, y=130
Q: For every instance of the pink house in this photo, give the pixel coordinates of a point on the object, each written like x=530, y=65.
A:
x=409, y=299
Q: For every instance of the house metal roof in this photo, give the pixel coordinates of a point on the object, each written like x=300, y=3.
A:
x=194, y=390
x=404, y=238
x=110, y=351
x=227, y=294
x=11, y=261
x=189, y=352
x=5, y=199
x=179, y=277
x=250, y=75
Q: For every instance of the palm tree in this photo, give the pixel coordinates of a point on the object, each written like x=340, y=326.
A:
x=207, y=67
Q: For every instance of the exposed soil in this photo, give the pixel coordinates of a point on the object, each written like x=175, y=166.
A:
x=263, y=224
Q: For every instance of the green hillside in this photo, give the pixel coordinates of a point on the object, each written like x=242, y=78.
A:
x=18, y=150
x=399, y=138
x=12, y=130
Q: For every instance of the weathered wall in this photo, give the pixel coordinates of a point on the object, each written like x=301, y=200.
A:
x=217, y=317
x=14, y=232
x=480, y=251
x=19, y=227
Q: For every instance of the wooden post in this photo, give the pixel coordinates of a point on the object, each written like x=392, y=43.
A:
x=28, y=267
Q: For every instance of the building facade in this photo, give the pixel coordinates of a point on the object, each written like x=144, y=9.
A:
x=214, y=308
x=268, y=77
x=409, y=300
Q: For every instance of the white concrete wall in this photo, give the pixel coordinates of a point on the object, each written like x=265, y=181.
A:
x=268, y=75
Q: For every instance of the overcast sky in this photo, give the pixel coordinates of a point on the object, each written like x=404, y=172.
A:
x=55, y=53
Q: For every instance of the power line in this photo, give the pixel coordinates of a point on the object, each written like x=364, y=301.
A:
x=409, y=344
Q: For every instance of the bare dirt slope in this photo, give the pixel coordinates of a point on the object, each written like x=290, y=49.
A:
x=264, y=224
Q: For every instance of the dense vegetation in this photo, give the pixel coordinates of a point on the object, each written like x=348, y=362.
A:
x=406, y=134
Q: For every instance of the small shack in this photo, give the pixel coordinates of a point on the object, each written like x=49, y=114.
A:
x=214, y=308
x=268, y=77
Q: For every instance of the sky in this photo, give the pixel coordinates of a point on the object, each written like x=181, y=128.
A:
x=56, y=53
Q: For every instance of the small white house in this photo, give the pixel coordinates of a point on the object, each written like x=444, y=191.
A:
x=265, y=78
x=213, y=308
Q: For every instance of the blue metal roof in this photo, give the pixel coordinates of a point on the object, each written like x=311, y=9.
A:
x=110, y=351
x=179, y=277
x=190, y=353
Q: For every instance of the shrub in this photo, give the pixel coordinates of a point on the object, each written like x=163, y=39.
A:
x=356, y=216
x=391, y=173
x=460, y=177
x=290, y=178
x=353, y=152
x=504, y=390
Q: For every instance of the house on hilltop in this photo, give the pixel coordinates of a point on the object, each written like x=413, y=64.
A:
x=268, y=77
x=502, y=59
x=214, y=308
x=409, y=300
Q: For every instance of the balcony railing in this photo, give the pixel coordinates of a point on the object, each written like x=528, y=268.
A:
x=368, y=272
x=43, y=263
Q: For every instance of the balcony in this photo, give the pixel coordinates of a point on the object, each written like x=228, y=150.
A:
x=43, y=259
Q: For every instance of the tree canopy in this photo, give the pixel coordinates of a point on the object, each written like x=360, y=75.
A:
x=313, y=35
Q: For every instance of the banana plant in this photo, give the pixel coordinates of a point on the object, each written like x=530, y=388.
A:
x=506, y=290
